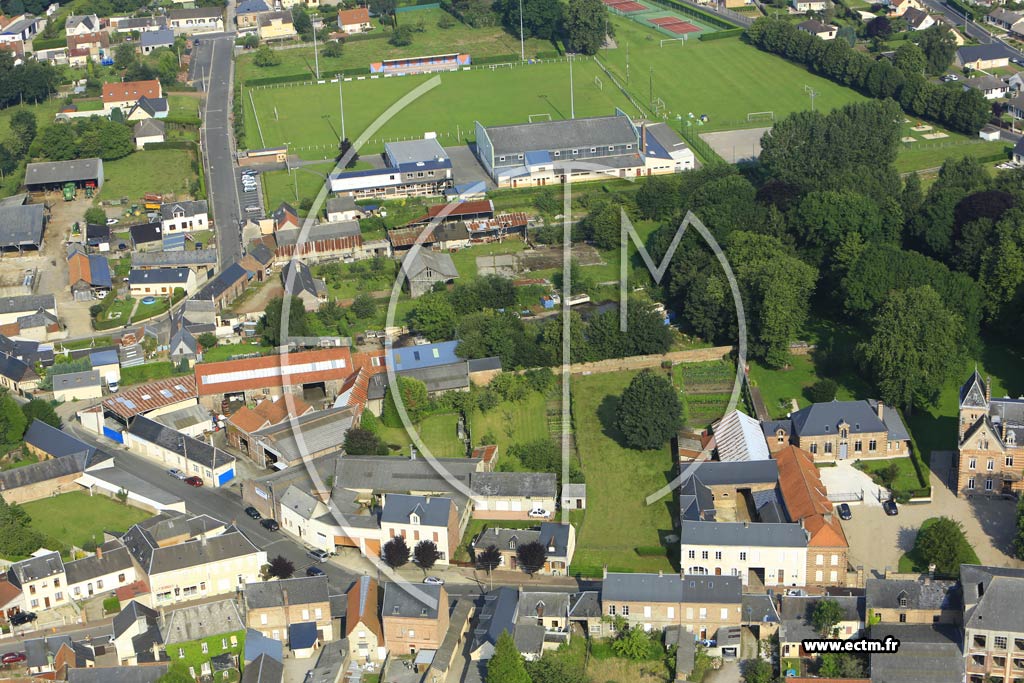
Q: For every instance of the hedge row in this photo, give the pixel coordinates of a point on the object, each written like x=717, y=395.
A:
x=962, y=8
x=719, y=35
x=650, y=551
x=376, y=35
x=183, y=120
x=49, y=43
x=172, y=144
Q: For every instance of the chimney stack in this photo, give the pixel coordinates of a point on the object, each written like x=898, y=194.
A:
x=99, y=552
x=988, y=389
x=661, y=573
x=604, y=572
x=881, y=411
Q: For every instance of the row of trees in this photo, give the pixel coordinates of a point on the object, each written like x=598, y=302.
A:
x=29, y=82
x=582, y=25
x=903, y=78
x=92, y=137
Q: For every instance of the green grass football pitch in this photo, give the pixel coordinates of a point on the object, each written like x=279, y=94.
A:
x=307, y=117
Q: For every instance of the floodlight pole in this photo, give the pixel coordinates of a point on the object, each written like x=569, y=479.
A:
x=341, y=105
x=572, y=98
x=650, y=85
x=316, y=55
x=522, y=36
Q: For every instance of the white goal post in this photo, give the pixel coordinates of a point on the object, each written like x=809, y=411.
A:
x=598, y=83
x=760, y=116
x=538, y=116
x=681, y=41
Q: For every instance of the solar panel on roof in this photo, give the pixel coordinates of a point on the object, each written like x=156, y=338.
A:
x=130, y=403
x=165, y=393
x=180, y=388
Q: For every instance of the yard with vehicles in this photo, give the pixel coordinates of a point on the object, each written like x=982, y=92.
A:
x=78, y=519
x=618, y=522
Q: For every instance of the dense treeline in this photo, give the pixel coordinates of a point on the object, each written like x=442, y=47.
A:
x=963, y=110
x=29, y=82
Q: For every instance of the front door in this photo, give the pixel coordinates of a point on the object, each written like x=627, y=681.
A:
x=842, y=451
x=46, y=601
x=782, y=576
x=718, y=571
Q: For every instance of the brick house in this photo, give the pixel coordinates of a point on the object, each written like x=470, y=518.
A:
x=273, y=606
x=419, y=518
x=559, y=541
x=700, y=604
x=411, y=623
x=807, y=502
x=838, y=430
x=226, y=287
x=989, y=459
x=362, y=625
x=993, y=637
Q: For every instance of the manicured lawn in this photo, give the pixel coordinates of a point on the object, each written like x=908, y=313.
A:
x=779, y=386
x=725, y=79
x=117, y=315
x=308, y=117
x=183, y=104
x=225, y=351
x=906, y=480
x=511, y=422
x=302, y=183
x=440, y=436
x=77, y=518
x=617, y=519
x=914, y=562
x=921, y=155
x=478, y=42
x=155, y=170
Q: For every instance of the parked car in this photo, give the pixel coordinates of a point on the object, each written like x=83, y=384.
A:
x=177, y=474
x=540, y=512
x=313, y=570
x=434, y=581
x=318, y=555
x=269, y=524
x=890, y=508
x=194, y=481
x=112, y=221
x=13, y=657
x=23, y=618
x=253, y=512
x=844, y=511
x=249, y=172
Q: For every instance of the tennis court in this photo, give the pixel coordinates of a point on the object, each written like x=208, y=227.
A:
x=626, y=6
x=674, y=25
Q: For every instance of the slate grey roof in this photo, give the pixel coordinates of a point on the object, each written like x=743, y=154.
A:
x=918, y=594
x=74, y=380
x=970, y=53
x=131, y=614
x=497, y=614
x=436, y=377
x=796, y=613
x=439, y=264
x=49, y=469
x=480, y=364
x=341, y=204
x=232, y=543
x=29, y=303
x=263, y=669
x=88, y=21
x=117, y=674
x=148, y=127
x=393, y=474
x=297, y=277
x=557, y=135
x=712, y=473
x=743, y=534
x=992, y=598
x=927, y=654
x=39, y=652
x=224, y=281
x=15, y=369
x=55, y=442
x=257, y=644
x=260, y=252
x=759, y=607
x=197, y=451
x=21, y=225
x=814, y=26
x=174, y=258
x=284, y=15
x=159, y=38
x=318, y=232
x=973, y=393
x=524, y=484
x=398, y=602
x=202, y=621
x=35, y=568
x=159, y=276
x=820, y=419
x=314, y=432
x=585, y=605
x=656, y=588
x=115, y=558
x=56, y=172
x=247, y=6
x=431, y=511
x=331, y=663
x=303, y=590
x=189, y=208
x=197, y=13
x=145, y=233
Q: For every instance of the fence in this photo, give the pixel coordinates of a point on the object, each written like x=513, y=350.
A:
x=618, y=85
x=413, y=8
x=699, y=147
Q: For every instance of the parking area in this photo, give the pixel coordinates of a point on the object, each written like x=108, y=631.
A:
x=736, y=145
x=250, y=194
x=845, y=483
x=878, y=541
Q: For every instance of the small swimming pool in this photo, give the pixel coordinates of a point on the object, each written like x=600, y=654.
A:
x=148, y=300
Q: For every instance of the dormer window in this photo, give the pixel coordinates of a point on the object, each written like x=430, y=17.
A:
x=903, y=602
x=414, y=518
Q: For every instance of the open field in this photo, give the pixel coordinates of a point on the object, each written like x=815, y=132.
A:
x=77, y=518
x=155, y=170
x=308, y=115
x=511, y=422
x=725, y=79
x=617, y=519
x=358, y=54
x=305, y=181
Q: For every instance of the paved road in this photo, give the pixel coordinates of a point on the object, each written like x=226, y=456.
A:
x=212, y=70
x=972, y=29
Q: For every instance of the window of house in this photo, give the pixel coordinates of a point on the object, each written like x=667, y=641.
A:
x=903, y=602
x=78, y=590
x=223, y=643
x=32, y=590
x=593, y=150
x=35, y=603
x=263, y=619
x=743, y=556
x=988, y=484
x=704, y=554
x=703, y=613
x=58, y=596
x=56, y=583
x=611, y=610
x=671, y=612
x=972, y=464
x=814, y=449
x=693, y=554
x=990, y=465
x=970, y=483
x=819, y=576
x=999, y=642
x=412, y=633
x=828, y=448
x=858, y=446
x=120, y=578
x=501, y=158
x=819, y=559
x=625, y=610
x=1009, y=461
x=305, y=615
x=872, y=445
x=99, y=584
x=718, y=554
x=835, y=560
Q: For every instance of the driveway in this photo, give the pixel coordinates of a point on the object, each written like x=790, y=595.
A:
x=844, y=480
x=878, y=541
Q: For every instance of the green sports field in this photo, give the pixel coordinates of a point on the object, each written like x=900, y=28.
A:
x=308, y=115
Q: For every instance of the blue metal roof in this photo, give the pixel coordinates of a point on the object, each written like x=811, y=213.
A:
x=175, y=242
x=414, y=166
x=107, y=357
x=538, y=157
x=423, y=356
x=302, y=636
x=655, y=148
x=99, y=271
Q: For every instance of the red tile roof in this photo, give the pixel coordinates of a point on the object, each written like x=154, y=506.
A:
x=348, y=17
x=486, y=453
x=268, y=413
x=131, y=91
x=806, y=498
x=273, y=371
x=79, y=269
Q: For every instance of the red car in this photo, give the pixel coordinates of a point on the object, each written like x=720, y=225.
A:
x=13, y=657
x=194, y=481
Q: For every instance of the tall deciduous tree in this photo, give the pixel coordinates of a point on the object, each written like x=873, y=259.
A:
x=939, y=47
x=649, y=412
x=826, y=616
x=506, y=665
x=532, y=557
x=586, y=24
x=944, y=544
x=426, y=554
x=395, y=552
x=540, y=18
x=270, y=328
x=915, y=347
x=489, y=558
x=12, y=420
x=38, y=409
x=434, y=317
x=280, y=567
